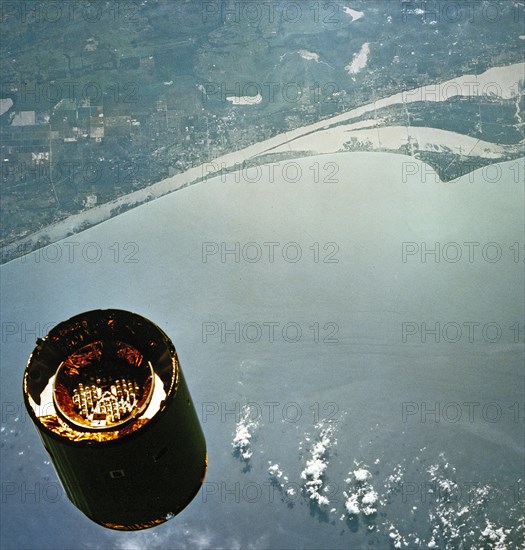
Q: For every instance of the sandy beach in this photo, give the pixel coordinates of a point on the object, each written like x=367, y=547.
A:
x=391, y=138
x=318, y=137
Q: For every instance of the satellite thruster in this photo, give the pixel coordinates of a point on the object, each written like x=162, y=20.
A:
x=107, y=395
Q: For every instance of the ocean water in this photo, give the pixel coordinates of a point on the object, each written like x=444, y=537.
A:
x=307, y=295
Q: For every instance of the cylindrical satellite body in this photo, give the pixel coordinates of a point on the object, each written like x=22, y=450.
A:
x=109, y=400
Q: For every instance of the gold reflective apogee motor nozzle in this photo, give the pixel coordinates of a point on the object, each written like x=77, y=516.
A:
x=101, y=387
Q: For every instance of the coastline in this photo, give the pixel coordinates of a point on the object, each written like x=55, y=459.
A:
x=501, y=81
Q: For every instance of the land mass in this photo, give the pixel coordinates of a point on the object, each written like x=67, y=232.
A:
x=333, y=135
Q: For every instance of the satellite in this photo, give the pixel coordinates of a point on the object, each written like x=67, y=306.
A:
x=107, y=395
